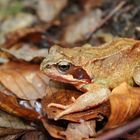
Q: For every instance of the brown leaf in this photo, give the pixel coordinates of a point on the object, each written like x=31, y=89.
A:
x=9, y=104
x=125, y=105
x=25, y=52
x=54, y=130
x=9, y=121
x=21, y=35
x=22, y=44
x=14, y=22
x=88, y=4
x=79, y=131
x=24, y=80
x=80, y=25
x=9, y=131
x=61, y=94
x=47, y=10
x=34, y=135
x=11, y=137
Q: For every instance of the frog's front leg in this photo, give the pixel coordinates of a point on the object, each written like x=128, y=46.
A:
x=85, y=101
x=136, y=75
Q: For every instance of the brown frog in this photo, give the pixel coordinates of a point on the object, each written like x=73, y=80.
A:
x=93, y=70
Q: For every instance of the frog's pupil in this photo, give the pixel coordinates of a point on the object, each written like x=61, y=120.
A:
x=64, y=67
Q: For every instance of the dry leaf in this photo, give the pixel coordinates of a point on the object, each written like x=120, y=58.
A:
x=54, y=130
x=34, y=135
x=21, y=35
x=79, y=131
x=9, y=104
x=88, y=4
x=9, y=131
x=9, y=121
x=47, y=10
x=11, y=137
x=24, y=80
x=22, y=45
x=15, y=22
x=25, y=52
x=78, y=28
x=125, y=105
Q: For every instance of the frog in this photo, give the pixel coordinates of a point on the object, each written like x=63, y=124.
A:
x=94, y=70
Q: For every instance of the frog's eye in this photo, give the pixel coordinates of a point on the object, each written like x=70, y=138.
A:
x=63, y=66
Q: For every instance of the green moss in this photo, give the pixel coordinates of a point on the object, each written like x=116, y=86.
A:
x=11, y=9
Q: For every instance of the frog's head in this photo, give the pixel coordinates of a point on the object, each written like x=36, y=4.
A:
x=62, y=64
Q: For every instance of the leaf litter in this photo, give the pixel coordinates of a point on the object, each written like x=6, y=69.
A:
x=25, y=92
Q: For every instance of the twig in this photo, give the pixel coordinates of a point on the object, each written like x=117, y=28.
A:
x=114, y=133
x=117, y=8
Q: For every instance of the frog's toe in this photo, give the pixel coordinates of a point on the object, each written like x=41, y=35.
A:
x=65, y=112
x=58, y=105
x=136, y=75
x=73, y=99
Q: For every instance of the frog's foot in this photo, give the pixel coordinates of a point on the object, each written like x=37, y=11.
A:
x=136, y=75
x=85, y=101
x=58, y=105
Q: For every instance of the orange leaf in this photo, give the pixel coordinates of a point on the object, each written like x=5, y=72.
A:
x=9, y=104
x=125, y=105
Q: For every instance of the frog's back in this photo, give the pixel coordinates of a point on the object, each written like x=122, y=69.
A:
x=110, y=63
x=110, y=48
x=86, y=53
x=119, y=65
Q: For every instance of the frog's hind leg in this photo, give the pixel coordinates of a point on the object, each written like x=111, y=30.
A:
x=87, y=100
x=136, y=75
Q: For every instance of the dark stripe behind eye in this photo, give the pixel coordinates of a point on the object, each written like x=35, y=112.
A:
x=79, y=73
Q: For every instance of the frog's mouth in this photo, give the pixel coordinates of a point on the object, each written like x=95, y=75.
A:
x=70, y=78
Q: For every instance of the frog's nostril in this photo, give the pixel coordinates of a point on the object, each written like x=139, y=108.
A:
x=47, y=66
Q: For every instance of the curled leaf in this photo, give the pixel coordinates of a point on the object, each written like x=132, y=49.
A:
x=21, y=35
x=54, y=130
x=9, y=104
x=125, y=105
x=22, y=45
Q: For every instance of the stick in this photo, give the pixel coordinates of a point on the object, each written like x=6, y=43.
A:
x=117, y=8
x=117, y=132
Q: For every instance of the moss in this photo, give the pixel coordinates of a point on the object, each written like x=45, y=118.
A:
x=11, y=9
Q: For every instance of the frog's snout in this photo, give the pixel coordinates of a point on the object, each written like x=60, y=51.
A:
x=45, y=65
x=42, y=65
